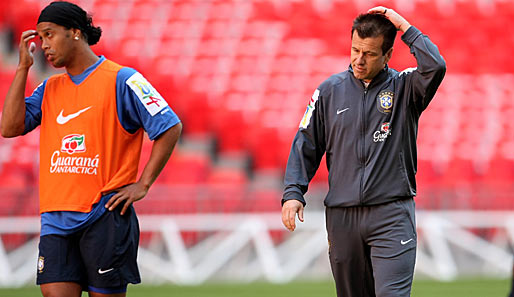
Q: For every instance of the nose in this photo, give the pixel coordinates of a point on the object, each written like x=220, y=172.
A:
x=360, y=59
x=44, y=45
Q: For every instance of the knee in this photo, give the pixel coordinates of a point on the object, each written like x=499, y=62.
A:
x=48, y=292
x=61, y=290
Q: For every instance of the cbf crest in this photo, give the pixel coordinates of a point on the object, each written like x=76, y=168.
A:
x=40, y=264
x=385, y=101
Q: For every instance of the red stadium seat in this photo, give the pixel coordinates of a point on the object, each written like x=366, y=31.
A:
x=265, y=146
x=229, y=128
x=186, y=168
x=264, y=200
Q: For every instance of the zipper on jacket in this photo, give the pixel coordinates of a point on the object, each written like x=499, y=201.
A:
x=363, y=141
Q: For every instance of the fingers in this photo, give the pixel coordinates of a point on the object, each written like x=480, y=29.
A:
x=125, y=206
x=27, y=36
x=114, y=201
x=32, y=47
x=26, y=51
x=288, y=219
x=398, y=21
x=289, y=211
x=291, y=216
x=126, y=195
x=378, y=9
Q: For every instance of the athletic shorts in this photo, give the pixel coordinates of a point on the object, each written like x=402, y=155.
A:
x=101, y=257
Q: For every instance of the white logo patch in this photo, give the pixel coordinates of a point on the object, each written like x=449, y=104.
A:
x=147, y=94
x=73, y=143
x=62, y=119
x=310, y=108
x=406, y=241
x=342, y=110
x=407, y=71
x=385, y=131
x=100, y=271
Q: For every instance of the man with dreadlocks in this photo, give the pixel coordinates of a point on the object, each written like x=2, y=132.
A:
x=92, y=119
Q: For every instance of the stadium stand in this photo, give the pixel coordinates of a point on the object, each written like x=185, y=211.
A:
x=240, y=73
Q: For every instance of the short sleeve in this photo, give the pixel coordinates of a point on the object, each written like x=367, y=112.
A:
x=139, y=105
x=33, y=111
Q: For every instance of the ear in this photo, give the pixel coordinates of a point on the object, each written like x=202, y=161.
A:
x=388, y=55
x=76, y=34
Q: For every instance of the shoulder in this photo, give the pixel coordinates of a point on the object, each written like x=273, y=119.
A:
x=334, y=81
x=110, y=66
x=125, y=73
x=55, y=78
x=401, y=74
x=42, y=85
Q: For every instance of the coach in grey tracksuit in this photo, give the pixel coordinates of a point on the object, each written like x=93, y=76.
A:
x=366, y=119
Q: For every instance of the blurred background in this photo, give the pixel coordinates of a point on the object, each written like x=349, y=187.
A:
x=239, y=74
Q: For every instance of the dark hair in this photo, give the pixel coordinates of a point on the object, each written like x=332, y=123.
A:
x=92, y=33
x=374, y=25
x=70, y=15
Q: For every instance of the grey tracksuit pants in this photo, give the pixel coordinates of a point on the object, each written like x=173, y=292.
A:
x=372, y=249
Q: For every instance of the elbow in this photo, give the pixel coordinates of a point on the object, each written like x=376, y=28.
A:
x=441, y=66
x=179, y=128
x=4, y=131
x=7, y=132
x=435, y=64
x=173, y=133
x=436, y=71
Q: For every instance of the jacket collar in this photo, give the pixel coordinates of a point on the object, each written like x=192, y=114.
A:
x=381, y=76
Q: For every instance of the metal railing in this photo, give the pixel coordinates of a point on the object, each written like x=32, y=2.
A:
x=245, y=247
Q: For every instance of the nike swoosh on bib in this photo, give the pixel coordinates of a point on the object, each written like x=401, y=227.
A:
x=64, y=119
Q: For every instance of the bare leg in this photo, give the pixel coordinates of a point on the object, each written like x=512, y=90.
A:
x=94, y=294
x=61, y=289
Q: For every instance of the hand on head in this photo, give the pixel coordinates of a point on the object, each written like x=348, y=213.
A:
x=398, y=21
x=26, y=49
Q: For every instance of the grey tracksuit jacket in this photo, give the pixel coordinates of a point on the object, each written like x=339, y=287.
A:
x=368, y=134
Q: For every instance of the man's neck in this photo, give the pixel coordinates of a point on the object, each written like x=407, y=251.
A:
x=82, y=61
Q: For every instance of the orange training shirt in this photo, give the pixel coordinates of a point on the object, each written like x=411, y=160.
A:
x=84, y=150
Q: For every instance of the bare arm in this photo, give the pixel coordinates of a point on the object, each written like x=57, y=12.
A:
x=161, y=152
x=13, y=114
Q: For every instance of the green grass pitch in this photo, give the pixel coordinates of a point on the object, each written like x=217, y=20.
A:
x=421, y=288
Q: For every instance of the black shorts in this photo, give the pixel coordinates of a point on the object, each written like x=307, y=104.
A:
x=101, y=257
